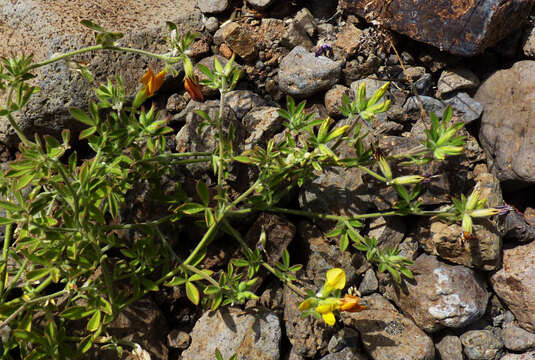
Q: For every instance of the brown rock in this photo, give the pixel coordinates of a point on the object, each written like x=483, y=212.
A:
x=466, y=27
x=348, y=38
x=440, y=295
x=238, y=38
x=507, y=130
x=388, y=335
x=450, y=348
x=333, y=99
x=514, y=283
x=225, y=50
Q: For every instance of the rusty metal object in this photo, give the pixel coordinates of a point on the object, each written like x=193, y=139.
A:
x=462, y=27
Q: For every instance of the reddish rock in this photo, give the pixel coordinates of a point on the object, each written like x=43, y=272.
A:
x=459, y=27
x=514, y=283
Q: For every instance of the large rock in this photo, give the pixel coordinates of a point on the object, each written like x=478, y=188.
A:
x=481, y=345
x=507, y=130
x=387, y=334
x=302, y=74
x=440, y=295
x=459, y=27
x=514, y=283
x=250, y=335
x=48, y=27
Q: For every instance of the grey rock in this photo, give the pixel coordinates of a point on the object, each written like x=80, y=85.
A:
x=262, y=124
x=333, y=99
x=528, y=355
x=517, y=339
x=243, y=101
x=528, y=46
x=346, y=354
x=345, y=338
x=387, y=334
x=388, y=231
x=303, y=74
x=450, y=348
x=424, y=84
x=469, y=109
x=223, y=32
x=323, y=255
x=296, y=35
x=517, y=229
x=481, y=345
x=147, y=330
x=507, y=129
x=325, y=31
x=514, y=283
x=212, y=6
x=250, y=335
x=369, y=283
x=455, y=80
x=49, y=28
x=211, y=24
x=441, y=295
x=260, y=4
x=306, y=21
x=429, y=104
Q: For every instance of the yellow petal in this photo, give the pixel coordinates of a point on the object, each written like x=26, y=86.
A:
x=329, y=318
x=305, y=305
x=336, y=279
x=147, y=77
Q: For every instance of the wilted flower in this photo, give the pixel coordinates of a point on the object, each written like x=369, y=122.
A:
x=151, y=82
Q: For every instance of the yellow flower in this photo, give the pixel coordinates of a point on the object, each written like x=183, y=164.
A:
x=306, y=304
x=152, y=83
x=336, y=280
x=326, y=309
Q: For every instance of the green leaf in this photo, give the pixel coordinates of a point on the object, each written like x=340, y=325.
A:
x=344, y=242
x=175, y=281
x=87, y=132
x=203, y=192
x=197, y=277
x=191, y=208
x=149, y=285
x=37, y=274
x=86, y=344
x=6, y=221
x=92, y=25
x=94, y=323
x=192, y=293
x=240, y=262
x=76, y=313
x=81, y=116
x=24, y=180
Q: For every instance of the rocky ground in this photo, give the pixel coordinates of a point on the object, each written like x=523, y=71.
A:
x=473, y=299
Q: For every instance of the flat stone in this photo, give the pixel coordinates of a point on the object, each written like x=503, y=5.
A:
x=262, y=124
x=238, y=38
x=481, y=345
x=529, y=355
x=369, y=283
x=517, y=339
x=243, y=101
x=455, y=80
x=346, y=354
x=306, y=20
x=466, y=27
x=441, y=295
x=212, y=6
x=430, y=105
x=468, y=109
x=514, y=283
x=303, y=74
x=250, y=335
x=507, y=131
x=387, y=334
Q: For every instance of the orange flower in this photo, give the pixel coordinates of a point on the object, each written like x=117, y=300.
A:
x=350, y=303
x=152, y=83
x=193, y=89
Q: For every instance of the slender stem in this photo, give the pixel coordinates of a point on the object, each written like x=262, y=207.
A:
x=135, y=226
x=17, y=129
x=286, y=281
x=248, y=192
x=178, y=162
x=29, y=302
x=17, y=277
x=331, y=217
x=163, y=57
x=201, y=274
x=205, y=239
x=5, y=249
x=221, y=140
x=372, y=173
